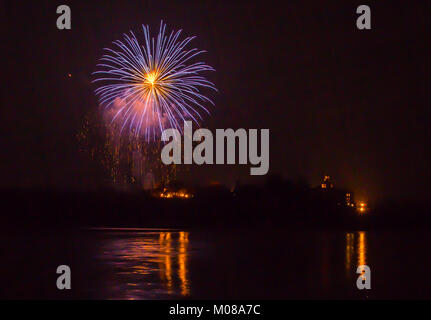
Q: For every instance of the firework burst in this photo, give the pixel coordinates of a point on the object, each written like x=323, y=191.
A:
x=152, y=85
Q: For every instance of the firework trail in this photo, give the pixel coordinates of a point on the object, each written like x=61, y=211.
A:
x=150, y=86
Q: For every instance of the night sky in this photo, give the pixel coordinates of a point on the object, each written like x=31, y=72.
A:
x=352, y=104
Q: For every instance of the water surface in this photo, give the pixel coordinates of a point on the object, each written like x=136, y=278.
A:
x=231, y=264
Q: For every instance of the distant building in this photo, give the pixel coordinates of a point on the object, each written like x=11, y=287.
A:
x=179, y=194
x=327, y=183
x=341, y=197
x=348, y=199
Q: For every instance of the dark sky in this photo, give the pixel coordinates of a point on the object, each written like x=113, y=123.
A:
x=339, y=101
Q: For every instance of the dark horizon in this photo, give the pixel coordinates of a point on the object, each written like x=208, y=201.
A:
x=337, y=101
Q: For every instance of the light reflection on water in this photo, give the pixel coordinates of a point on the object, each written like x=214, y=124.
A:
x=356, y=246
x=147, y=265
x=156, y=265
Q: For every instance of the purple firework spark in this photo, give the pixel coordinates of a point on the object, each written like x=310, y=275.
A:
x=150, y=86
